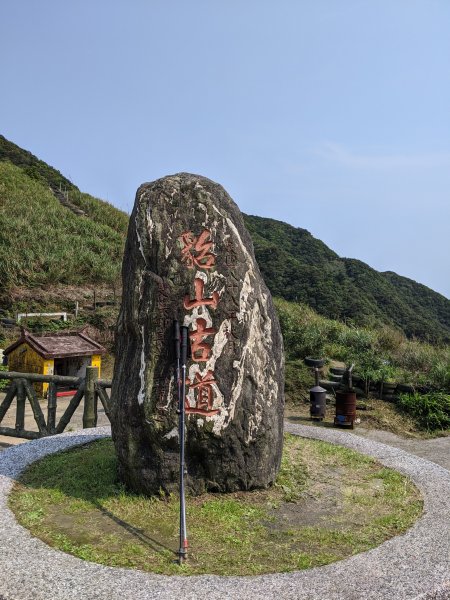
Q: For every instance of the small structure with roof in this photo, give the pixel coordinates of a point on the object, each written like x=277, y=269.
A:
x=53, y=353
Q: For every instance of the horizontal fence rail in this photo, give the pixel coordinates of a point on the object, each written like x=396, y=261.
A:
x=90, y=388
x=41, y=378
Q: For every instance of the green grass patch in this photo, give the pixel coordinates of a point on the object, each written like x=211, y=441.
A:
x=431, y=411
x=328, y=503
x=51, y=243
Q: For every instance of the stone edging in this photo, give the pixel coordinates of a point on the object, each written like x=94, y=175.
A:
x=414, y=565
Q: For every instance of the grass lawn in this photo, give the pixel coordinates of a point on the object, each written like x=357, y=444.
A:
x=328, y=503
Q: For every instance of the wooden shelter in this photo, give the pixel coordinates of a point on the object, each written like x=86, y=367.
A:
x=59, y=353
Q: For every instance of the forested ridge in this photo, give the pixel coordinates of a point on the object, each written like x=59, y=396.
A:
x=54, y=245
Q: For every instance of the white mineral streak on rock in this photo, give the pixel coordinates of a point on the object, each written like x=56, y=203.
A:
x=233, y=228
x=267, y=333
x=205, y=222
x=172, y=433
x=243, y=296
x=141, y=249
x=259, y=370
x=217, y=282
x=218, y=211
x=202, y=275
x=193, y=369
x=220, y=340
x=150, y=224
x=209, y=223
x=159, y=227
x=141, y=394
x=240, y=365
x=169, y=394
x=267, y=326
x=197, y=312
x=141, y=281
x=227, y=412
x=169, y=243
x=217, y=404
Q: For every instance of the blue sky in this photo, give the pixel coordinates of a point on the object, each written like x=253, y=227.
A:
x=332, y=115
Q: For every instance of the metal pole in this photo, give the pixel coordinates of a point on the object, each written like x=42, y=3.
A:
x=176, y=337
x=182, y=553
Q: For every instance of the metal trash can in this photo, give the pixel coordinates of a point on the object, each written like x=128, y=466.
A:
x=318, y=402
x=345, y=408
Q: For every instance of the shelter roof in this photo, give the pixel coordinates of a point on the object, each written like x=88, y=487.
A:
x=59, y=345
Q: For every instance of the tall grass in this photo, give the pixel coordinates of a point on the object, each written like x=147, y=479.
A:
x=101, y=211
x=379, y=354
x=41, y=242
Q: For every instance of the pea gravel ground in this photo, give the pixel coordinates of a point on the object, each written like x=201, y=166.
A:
x=414, y=565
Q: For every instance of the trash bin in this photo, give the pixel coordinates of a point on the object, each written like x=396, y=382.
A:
x=318, y=402
x=345, y=408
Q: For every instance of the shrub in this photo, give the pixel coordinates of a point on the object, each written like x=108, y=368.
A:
x=440, y=375
x=298, y=380
x=390, y=339
x=431, y=411
x=3, y=382
x=379, y=354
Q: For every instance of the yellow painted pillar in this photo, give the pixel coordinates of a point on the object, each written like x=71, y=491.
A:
x=96, y=361
x=47, y=369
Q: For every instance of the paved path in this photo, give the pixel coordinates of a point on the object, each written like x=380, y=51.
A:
x=411, y=566
x=436, y=450
x=76, y=421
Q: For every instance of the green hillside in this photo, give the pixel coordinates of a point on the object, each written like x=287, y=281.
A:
x=300, y=268
x=32, y=166
x=51, y=233
x=43, y=243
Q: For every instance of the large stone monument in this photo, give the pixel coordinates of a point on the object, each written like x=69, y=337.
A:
x=189, y=257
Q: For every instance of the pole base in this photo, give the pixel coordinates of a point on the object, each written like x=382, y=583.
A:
x=182, y=552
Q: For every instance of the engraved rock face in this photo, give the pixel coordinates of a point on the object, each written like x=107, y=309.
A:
x=189, y=257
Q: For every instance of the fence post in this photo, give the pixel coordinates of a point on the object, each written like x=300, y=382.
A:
x=90, y=398
x=20, y=407
x=51, y=407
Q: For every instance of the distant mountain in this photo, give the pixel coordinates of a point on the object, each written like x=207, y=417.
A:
x=300, y=268
x=64, y=236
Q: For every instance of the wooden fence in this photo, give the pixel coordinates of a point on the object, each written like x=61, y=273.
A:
x=89, y=387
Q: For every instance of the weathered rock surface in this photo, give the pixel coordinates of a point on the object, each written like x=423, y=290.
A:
x=189, y=257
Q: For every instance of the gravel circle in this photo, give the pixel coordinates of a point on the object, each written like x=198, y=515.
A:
x=410, y=566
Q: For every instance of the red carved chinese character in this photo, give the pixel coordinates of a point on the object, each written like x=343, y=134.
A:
x=200, y=350
x=201, y=245
x=199, y=284
x=204, y=395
